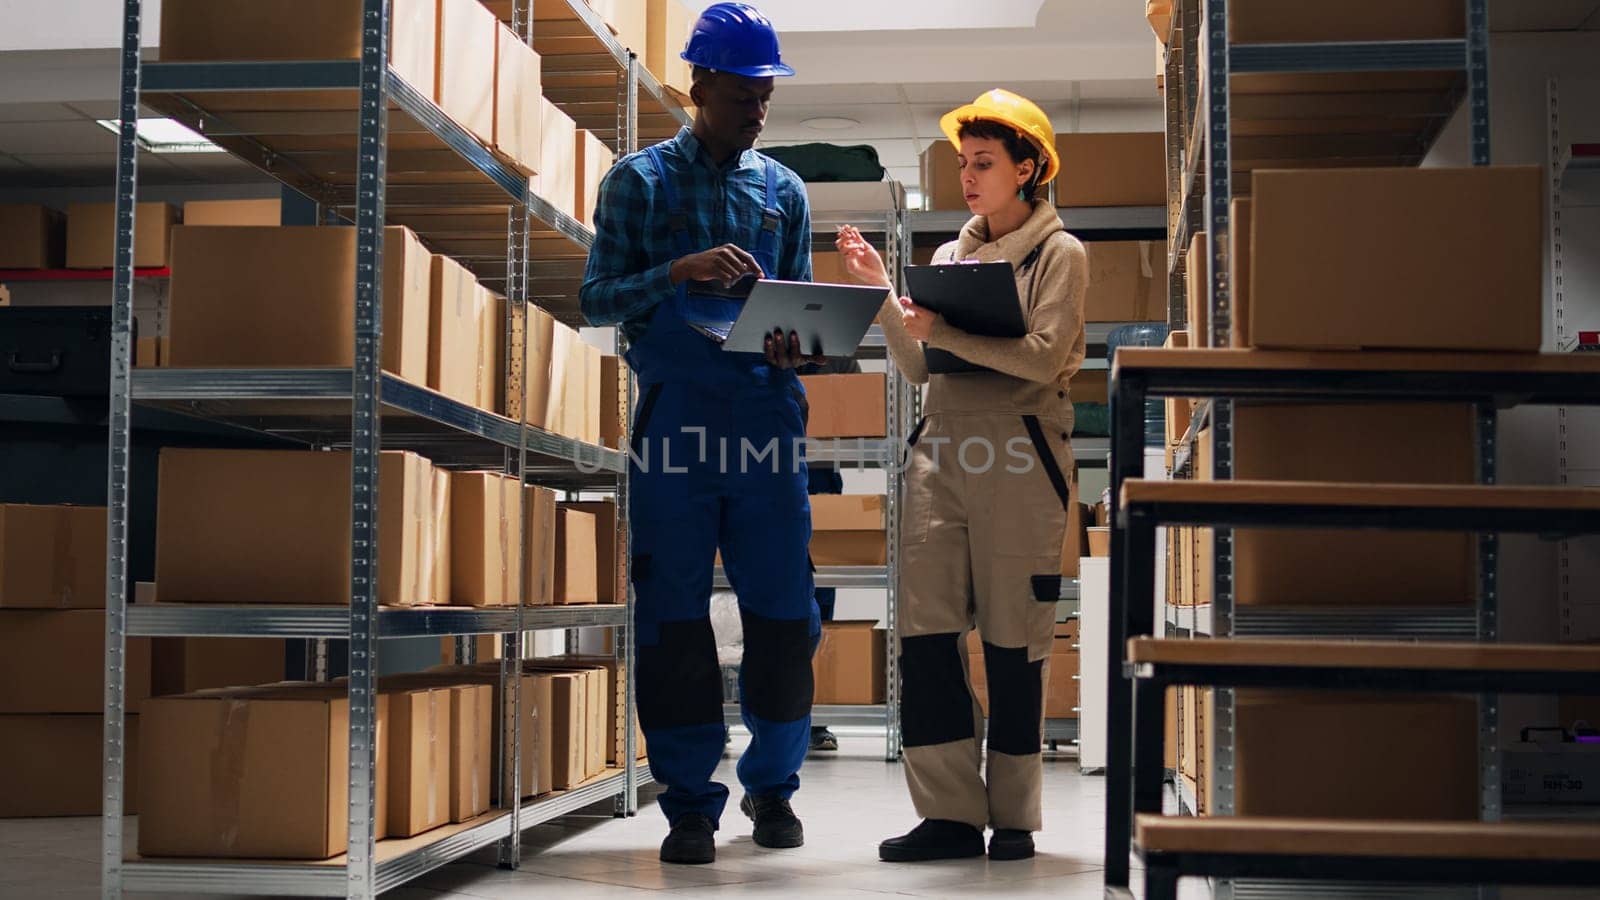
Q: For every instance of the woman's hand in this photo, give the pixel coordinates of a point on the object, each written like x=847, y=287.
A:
x=861, y=259
x=919, y=320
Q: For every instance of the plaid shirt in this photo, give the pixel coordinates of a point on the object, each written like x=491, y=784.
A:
x=633, y=248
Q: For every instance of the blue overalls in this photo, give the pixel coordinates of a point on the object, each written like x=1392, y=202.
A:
x=718, y=463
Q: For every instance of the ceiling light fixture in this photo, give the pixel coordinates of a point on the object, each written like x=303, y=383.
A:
x=830, y=123
x=161, y=135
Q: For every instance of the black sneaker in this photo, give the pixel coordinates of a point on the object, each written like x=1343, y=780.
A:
x=692, y=842
x=1009, y=843
x=777, y=827
x=823, y=740
x=933, y=839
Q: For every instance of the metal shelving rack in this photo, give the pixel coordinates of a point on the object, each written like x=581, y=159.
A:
x=483, y=214
x=1429, y=80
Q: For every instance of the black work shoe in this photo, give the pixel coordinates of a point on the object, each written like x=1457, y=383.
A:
x=823, y=740
x=777, y=827
x=933, y=839
x=1009, y=843
x=692, y=842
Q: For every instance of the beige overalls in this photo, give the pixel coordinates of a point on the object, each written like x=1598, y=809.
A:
x=981, y=532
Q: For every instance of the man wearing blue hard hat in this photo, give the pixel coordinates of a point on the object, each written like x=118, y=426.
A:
x=718, y=439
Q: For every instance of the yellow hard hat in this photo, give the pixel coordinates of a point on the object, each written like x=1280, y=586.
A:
x=1016, y=111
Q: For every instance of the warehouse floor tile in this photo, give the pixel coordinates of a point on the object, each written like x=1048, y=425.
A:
x=849, y=801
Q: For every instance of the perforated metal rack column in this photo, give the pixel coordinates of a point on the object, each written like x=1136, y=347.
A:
x=119, y=463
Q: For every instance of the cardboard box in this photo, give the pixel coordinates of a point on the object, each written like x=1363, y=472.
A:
x=1380, y=757
x=667, y=25
x=613, y=430
x=577, y=563
x=569, y=719
x=146, y=353
x=1099, y=541
x=1374, y=443
x=262, y=213
x=593, y=159
x=53, y=661
x=1127, y=282
x=91, y=235
x=1128, y=169
x=52, y=557
x=186, y=665
x=568, y=367
x=1074, y=541
x=472, y=739
x=1270, y=21
x=485, y=539
x=848, y=530
x=628, y=20
x=837, y=197
x=252, y=774
x=1091, y=386
x=534, y=720
x=458, y=367
x=468, y=35
x=1241, y=213
x=437, y=541
x=845, y=406
x=616, y=716
x=941, y=178
x=420, y=765
x=32, y=237
x=199, y=30
x=518, y=118
x=1408, y=229
x=557, y=180
x=51, y=766
x=530, y=385
x=849, y=664
x=539, y=525
x=296, y=548
x=608, y=563
x=1197, y=281
x=1061, y=683
x=284, y=297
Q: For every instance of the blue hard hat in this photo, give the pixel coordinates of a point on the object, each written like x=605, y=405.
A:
x=736, y=38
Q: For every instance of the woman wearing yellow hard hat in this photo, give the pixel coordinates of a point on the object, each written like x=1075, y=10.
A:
x=982, y=528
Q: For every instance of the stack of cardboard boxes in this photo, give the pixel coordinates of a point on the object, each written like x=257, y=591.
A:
x=52, y=653
x=38, y=237
x=1369, y=260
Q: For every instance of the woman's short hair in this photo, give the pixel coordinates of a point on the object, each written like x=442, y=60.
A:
x=1017, y=147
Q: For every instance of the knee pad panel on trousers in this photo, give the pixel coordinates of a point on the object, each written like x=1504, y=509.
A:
x=679, y=680
x=936, y=706
x=1016, y=699
x=775, y=679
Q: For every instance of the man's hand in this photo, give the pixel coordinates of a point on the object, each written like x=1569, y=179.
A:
x=726, y=264
x=919, y=320
x=785, y=354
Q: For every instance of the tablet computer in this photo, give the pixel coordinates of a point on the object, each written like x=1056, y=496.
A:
x=830, y=319
x=978, y=298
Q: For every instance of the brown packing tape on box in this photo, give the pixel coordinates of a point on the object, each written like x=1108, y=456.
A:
x=52, y=557
x=51, y=765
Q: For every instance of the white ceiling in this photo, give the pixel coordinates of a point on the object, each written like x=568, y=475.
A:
x=893, y=66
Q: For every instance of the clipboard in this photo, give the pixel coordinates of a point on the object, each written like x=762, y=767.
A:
x=978, y=298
